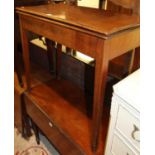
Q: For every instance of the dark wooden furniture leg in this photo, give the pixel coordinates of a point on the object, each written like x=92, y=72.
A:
x=51, y=55
x=68, y=50
x=36, y=132
x=58, y=60
x=26, y=133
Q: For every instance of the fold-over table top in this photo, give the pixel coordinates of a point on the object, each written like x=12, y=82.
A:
x=96, y=20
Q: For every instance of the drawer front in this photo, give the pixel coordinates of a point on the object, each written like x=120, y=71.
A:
x=120, y=148
x=59, y=139
x=129, y=127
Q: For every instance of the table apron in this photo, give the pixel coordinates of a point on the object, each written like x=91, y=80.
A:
x=124, y=42
x=83, y=42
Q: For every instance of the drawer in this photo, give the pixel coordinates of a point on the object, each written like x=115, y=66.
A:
x=120, y=148
x=57, y=137
x=128, y=126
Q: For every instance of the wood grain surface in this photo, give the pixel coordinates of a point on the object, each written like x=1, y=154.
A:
x=101, y=21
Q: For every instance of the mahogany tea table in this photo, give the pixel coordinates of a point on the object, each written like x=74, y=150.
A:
x=102, y=35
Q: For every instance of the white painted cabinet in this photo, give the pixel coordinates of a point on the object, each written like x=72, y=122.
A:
x=124, y=128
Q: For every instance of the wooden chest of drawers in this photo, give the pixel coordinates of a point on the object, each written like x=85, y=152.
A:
x=54, y=133
x=59, y=110
x=124, y=129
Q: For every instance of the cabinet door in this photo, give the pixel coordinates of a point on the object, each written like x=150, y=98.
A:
x=88, y=3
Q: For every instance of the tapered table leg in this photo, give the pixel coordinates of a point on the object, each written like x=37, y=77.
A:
x=25, y=47
x=17, y=65
x=101, y=71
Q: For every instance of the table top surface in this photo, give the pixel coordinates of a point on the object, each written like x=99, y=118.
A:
x=100, y=21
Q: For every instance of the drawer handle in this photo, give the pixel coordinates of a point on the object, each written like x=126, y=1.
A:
x=50, y=124
x=136, y=129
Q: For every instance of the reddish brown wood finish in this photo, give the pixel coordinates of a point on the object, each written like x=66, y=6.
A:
x=19, y=109
x=58, y=139
x=102, y=35
x=20, y=117
x=124, y=6
x=64, y=105
x=26, y=58
x=17, y=39
x=18, y=91
x=128, y=7
x=101, y=70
